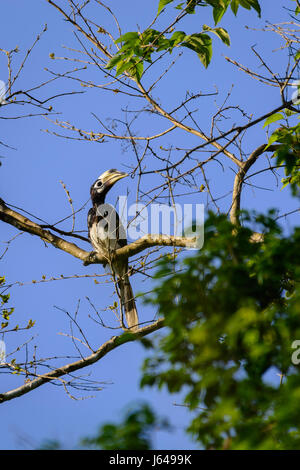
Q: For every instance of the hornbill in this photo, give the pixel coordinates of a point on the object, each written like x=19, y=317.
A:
x=107, y=234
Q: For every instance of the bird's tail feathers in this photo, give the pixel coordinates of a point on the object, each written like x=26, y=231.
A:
x=128, y=302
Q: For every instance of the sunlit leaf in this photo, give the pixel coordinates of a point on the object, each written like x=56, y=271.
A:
x=162, y=4
x=220, y=32
x=273, y=118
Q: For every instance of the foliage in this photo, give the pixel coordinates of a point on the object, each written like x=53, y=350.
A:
x=288, y=137
x=219, y=6
x=138, y=47
x=133, y=433
x=288, y=152
x=232, y=312
x=5, y=311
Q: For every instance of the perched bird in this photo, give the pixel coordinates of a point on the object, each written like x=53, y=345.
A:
x=107, y=234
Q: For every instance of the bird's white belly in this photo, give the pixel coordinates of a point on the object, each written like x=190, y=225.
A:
x=106, y=233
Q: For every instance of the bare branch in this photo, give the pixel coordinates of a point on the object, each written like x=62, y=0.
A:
x=108, y=346
x=239, y=180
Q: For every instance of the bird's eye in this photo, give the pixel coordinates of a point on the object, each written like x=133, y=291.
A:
x=99, y=184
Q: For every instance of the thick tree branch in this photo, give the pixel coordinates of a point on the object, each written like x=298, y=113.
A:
x=147, y=241
x=26, y=225
x=239, y=179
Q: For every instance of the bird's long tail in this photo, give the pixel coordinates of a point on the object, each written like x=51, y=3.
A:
x=128, y=302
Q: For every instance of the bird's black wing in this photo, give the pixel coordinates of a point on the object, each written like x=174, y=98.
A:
x=91, y=219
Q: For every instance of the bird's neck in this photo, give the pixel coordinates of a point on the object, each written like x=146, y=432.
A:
x=98, y=200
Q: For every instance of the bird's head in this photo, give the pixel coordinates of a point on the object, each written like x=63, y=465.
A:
x=104, y=182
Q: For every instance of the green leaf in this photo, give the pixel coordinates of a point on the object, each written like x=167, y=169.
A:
x=123, y=66
x=164, y=44
x=205, y=56
x=178, y=37
x=272, y=139
x=114, y=61
x=162, y=4
x=245, y=4
x=220, y=32
x=273, y=118
x=254, y=4
x=235, y=6
x=248, y=4
x=134, y=67
x=218, y=13
x=139, y=68
x=128, y=37
x=200, y=43
x=289, y=112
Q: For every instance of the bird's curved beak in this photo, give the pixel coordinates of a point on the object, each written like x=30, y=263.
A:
x=110, y=177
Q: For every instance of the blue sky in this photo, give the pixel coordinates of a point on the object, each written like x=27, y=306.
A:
x=30, y=178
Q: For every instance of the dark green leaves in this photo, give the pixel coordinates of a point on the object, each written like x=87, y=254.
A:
x=139, y=47
x=231, y=326
x=5, y=312
x=128, y=59
x=288, y=154
x=202, y=45
x=129, y=38
x=235, y=6
x=219, y=11
x=248, y=4
x=219, y=6
x=220, y=32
